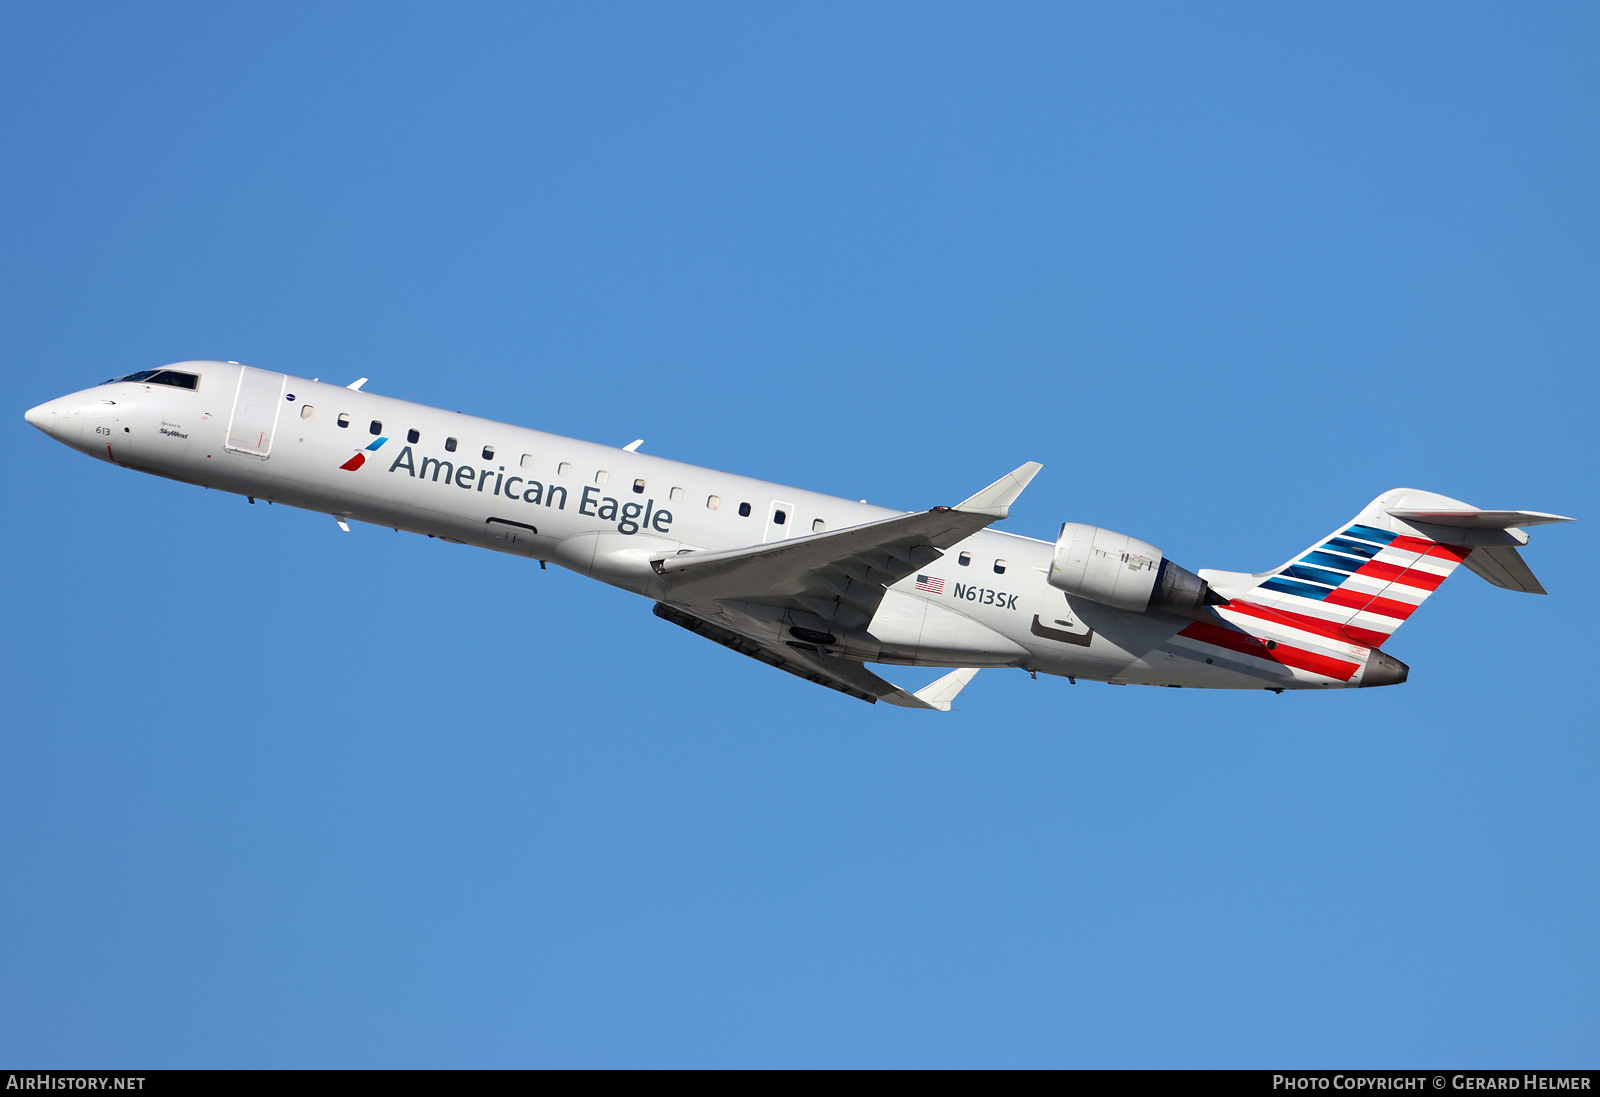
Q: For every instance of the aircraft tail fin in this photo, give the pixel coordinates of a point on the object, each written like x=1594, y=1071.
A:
x=1366, y=578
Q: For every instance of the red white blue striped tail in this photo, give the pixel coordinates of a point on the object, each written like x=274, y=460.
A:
x=1361, y=582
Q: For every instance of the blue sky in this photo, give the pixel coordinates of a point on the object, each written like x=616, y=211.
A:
x=281, y=796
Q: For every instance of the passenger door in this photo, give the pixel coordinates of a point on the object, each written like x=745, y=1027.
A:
x=256, y=404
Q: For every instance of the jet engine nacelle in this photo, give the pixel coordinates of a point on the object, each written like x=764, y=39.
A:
x=1127, y=573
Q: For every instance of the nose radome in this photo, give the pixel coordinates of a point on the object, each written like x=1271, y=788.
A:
x=43, y=417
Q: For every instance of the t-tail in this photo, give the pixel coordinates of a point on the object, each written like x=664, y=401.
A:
x=1355, y=587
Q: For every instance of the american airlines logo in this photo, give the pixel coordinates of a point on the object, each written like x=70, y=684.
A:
x=361, y=456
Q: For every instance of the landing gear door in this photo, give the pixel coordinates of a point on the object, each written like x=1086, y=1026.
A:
x=256, y=404
x=1056, y=620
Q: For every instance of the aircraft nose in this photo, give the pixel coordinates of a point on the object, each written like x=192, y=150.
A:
x=43, y=417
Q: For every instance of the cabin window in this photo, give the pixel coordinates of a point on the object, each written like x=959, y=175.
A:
x=602, y=476
x=307, y=411
x=449, y=445
x=638, y=487
x=344, y=420
x=488, y=453
x=376, y=428
x=565, y=468
x=527, y=460
x=818, y=525
x=744, y=510
x=964, y=559
x=779, y=517
x=675, y=494
x=999, y=567
x=413, y=436
x=713, y=502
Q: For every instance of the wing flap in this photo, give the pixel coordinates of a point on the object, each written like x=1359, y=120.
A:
x=885, y=550
x=844, y=675
x=839, y=577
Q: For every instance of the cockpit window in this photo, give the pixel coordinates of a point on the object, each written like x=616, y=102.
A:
x=160, y=377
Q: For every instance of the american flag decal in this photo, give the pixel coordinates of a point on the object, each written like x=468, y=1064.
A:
x=930, y=584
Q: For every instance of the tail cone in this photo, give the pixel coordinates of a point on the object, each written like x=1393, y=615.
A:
x=1384, y=670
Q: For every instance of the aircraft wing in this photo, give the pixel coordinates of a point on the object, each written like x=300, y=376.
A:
x=840, y=575
x=845, y=675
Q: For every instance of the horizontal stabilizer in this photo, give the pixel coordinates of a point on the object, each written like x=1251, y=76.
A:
x=1487, y=532
x=996, y=499
x=1504, y=566
x=1479, y=519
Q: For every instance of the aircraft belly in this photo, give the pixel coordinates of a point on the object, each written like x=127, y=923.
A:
x=620, y=559
x=305, y=475
x=911, y=630
x=1169, y=667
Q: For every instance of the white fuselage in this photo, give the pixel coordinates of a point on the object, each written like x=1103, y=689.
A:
x=605, y=512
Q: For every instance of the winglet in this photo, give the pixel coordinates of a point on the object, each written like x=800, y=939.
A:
x=935, y=695
x=996, y=499
x=939, y=694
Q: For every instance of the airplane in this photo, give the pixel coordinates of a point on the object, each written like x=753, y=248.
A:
x=811, y=584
